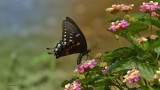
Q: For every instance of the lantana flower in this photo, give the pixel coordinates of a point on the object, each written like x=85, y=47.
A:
x=126, y=8
x=118, y=25
x=142, y=40
x=114, y=9
x=149, y=7
x=87, y=65
x=73, y=86
x=132, y=76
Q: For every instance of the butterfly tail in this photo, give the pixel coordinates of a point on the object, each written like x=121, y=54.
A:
x=79, y=58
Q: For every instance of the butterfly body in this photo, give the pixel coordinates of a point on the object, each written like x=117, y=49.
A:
x=73, y=41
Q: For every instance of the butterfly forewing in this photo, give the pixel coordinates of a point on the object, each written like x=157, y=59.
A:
x=73, y=40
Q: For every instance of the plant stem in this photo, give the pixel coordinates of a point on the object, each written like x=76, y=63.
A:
x=118, y=39
x=151, y=24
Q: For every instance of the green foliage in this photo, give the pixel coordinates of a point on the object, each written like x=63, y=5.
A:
x=136, y=27
x=137, y=63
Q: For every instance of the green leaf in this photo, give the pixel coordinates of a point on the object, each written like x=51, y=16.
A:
x=103, y=82
x=146, y=71
x=147, y=19
x=155, y=22
x=143, y=17
x=121, y=65
x=157, y=50
x=120, y=53
x=136, y=27
x=86, y=80
x=158, y=32
x=143, y=88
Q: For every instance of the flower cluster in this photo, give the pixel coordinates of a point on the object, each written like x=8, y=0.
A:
x=149, y=7
x=142, y=40
x=73, y=86
x=132, y=76
x=116, y=8
x=90, y=64
x=118, y=25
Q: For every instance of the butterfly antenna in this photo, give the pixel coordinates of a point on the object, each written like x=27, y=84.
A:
x=48, y=48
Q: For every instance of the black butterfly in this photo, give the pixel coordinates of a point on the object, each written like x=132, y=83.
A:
x=73, y=41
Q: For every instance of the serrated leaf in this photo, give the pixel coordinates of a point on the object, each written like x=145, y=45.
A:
x=146, y=71
x=155, y=22
x=117, y=54
x=120, y=65
x=142, y=17
x=138, y=26
x=86, y=80
x=103, y=82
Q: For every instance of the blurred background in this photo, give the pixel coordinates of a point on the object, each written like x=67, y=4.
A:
x=28, y=27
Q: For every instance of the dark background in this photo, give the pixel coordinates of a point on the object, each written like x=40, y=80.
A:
x=27, y=27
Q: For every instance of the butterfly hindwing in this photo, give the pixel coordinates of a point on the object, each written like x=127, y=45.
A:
x=73, y=40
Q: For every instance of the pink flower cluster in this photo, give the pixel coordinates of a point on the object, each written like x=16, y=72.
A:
x=73, y=86
x=116, y=8
x=90, y=64
x=132, y=76
x=149, y=7
x=118, y=25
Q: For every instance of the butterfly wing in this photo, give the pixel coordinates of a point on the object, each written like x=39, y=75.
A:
x=73, y=40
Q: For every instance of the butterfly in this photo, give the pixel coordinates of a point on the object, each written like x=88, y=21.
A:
x=73, y=41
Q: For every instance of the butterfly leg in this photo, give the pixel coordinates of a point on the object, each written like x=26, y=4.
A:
x=79, y=58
